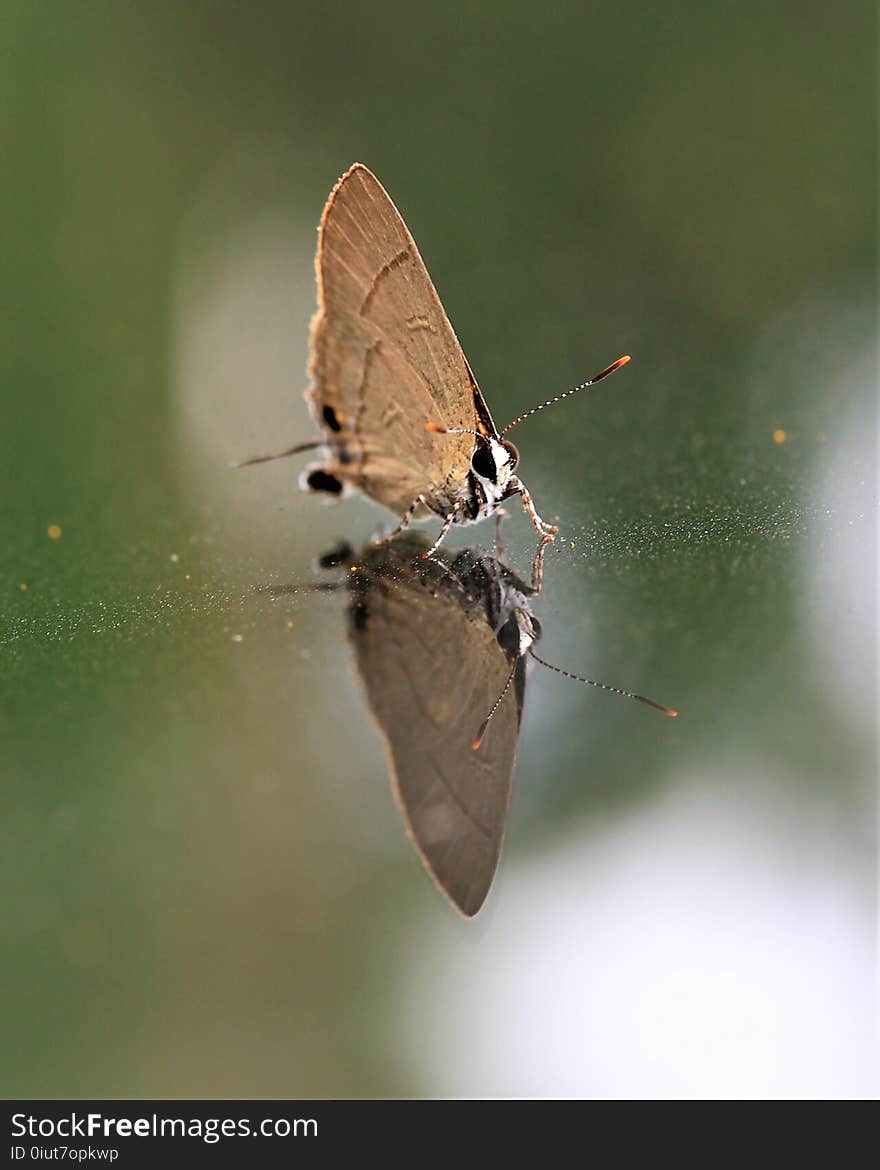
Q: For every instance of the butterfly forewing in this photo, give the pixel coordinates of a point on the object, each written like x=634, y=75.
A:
x=432, y=668
x=385, y=359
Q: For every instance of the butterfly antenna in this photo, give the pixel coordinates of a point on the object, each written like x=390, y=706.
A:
x=307, y=587
x=479, y=737
x=310, y=446
x=436, y=429
x=621, y=361
x=605, y=687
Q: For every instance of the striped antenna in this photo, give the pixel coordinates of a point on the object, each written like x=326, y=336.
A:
x=479, y=736
x=605, y=687
x=621, y=361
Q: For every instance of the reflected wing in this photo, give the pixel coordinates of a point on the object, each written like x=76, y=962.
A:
x=432, y=668
x=385, y=359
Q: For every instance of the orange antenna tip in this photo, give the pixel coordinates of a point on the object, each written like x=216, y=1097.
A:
x=672, y=714
x=435, y=428
x=621, y=361
x=476, y=744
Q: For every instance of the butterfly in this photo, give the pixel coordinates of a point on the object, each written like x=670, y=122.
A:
x=440, y=645
x=403, y=420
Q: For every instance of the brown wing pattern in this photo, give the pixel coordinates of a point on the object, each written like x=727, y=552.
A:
x=385, y=359
x=432, y=668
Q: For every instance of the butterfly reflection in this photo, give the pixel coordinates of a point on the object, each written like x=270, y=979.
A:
x=440, y=645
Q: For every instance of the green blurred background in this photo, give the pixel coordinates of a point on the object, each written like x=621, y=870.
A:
x=207, y=890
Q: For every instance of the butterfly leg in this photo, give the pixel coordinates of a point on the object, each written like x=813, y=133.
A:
x=538, y=564
x=403, y=525
x=447, y=524
x=499, y=545
x=541, y=526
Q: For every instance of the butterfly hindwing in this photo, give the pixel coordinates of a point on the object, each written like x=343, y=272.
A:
x=385, y=359
x=432, y=667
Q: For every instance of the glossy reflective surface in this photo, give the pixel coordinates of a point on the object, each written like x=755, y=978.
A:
x=208, y=891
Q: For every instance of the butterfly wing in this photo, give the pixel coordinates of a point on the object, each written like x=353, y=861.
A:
x=385, y=359
x=432, y=668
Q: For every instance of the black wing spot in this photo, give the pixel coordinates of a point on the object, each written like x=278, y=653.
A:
x=336, y=556
x=322, y=481
x=331, y=419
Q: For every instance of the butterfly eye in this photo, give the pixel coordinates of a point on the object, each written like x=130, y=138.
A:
x=483, y=464
x=513, y=453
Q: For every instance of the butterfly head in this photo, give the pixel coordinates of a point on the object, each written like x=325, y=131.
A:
x=493, y=463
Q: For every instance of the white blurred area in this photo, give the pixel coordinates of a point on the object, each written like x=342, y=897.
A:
x=708, y=946
x=245, y=297
x=721, y=941
x=244, y=303
x=841, y=574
